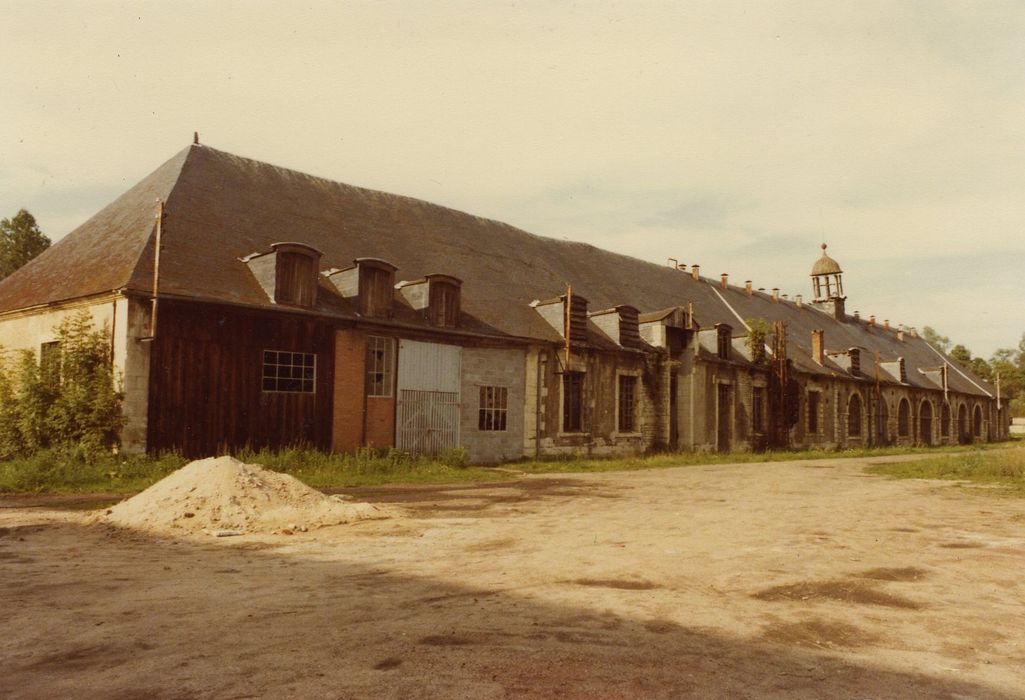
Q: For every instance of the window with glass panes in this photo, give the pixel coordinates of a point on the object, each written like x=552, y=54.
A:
x=380, y=361
x=494, y=405
x=291, y=372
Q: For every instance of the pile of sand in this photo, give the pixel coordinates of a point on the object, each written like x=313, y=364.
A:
x=221, y=496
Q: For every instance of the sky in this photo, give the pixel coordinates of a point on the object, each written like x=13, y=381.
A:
x=735, y=135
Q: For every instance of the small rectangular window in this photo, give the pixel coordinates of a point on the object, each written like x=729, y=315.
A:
x=380, y=364
x=289, y=372
x=493, y=408
x=758, y=409
x=723, y=341
x=813, y=412
x=627, y=403
x=573, y=402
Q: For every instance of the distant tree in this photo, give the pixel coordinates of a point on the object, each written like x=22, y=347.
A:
x=940, y=342
x=20, y=241
x=961, y=355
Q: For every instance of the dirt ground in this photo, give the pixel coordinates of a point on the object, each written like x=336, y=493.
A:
x=781, y=580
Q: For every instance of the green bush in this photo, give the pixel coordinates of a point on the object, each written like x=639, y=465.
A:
x=72, y=401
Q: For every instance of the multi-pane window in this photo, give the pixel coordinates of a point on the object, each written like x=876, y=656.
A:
x=627, y=403
x=813, y=412
x=294, y=372
x=494, y=407
x=380, y=364
x=50, y=363
x=572, y=402
x=758, y=409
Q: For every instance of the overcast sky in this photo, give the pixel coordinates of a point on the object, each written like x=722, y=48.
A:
x=734, y=135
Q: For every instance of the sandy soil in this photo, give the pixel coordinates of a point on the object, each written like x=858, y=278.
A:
x=784, y=580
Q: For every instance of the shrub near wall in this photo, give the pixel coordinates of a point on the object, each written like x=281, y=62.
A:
x=70, y=402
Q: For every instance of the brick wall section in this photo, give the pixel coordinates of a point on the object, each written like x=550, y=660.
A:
x=347, y=418
x=380, y=430
x=494, y=367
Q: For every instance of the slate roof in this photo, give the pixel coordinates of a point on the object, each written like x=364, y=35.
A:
x=221, y=208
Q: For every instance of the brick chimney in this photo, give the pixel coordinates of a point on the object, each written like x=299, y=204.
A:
x=872, y=321
x=695, y=271
x=886, y=324
x=799, y=300
x=775, y=295
x=724, y=280
x=747, y=288
x=818, y=348
x=857, y=315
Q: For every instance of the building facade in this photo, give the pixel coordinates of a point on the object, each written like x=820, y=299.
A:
x=257, y=306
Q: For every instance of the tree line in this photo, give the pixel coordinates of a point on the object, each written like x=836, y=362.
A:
x=1006, y=366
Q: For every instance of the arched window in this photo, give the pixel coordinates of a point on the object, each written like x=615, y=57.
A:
x=925, y=423
x=854, y=416
x=904, y=418
x=945, y=420
x=977, y=422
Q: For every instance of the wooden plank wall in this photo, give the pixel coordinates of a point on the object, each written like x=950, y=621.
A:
x=206, y=395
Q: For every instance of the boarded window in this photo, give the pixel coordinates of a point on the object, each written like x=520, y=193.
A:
x=627, y=403
x=376, y=290
x=573, y=402
x=292, y=372
x=758, y=409
x=296, y=279
x=493, y=408
x=380, y=365
x=813, y=412
x=854, y=416
x=50, y=363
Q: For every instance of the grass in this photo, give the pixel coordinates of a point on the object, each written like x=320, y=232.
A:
x=666, y=460
x=1004, y=469
x=70, y=471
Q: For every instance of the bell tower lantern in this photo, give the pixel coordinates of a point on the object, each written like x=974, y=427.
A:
x=827, y=285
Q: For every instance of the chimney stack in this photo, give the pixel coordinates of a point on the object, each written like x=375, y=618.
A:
x=886, y=323
x=872, y=321
x=747, y=288
x=818, y=349
x=724, y=280
x=775, y=295
x=857, y=315
x=695, y=270
x=785, y=297
x=799, y=300
x=900, y=332
x=682, y=267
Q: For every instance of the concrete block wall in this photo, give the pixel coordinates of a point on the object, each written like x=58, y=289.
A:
x=494, y=367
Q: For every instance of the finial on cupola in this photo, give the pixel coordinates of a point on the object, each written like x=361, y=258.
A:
x=195, y=138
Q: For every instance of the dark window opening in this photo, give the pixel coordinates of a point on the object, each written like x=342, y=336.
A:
x=904, y=418
x=627, y=403
x=813, y=412
x=758, y=409
x=723, y=342
x=573, y=402
x=380, y=364
x=945, y=420
x=289, y=372
x=493, y=408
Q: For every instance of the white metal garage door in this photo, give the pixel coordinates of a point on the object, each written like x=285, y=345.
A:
x=428, y=397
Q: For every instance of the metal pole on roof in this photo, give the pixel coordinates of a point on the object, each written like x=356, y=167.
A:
x=569, y=320
x=156, y=268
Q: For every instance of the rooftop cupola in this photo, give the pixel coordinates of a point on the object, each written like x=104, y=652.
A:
x=827, y=284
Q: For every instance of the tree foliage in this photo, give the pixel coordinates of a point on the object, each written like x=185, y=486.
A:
x=71, y=401
x=20, y=241
x=1006, y=366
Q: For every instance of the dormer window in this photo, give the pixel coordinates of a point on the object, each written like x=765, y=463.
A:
x=855, y=355
x=443, y=302
x=371, y=282
x=723, y=341
x=288, y=273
